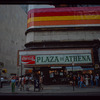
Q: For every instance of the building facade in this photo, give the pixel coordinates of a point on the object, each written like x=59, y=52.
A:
x=57, y=37
x=13, y=23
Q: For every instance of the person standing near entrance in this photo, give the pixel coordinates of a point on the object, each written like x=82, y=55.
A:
x=13, y=82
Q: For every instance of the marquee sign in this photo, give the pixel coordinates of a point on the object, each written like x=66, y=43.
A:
x=55, y=57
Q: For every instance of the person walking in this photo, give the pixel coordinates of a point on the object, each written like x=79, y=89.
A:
x=79, y=78
x=27, y=81
x=36, y=82
x=87, y=80
x=22, y=83
x=40, y=82
x=82, y=82
x=30, y=79
x=91, y=80
x=17, y=80
x=13, y=83
x=97, y=79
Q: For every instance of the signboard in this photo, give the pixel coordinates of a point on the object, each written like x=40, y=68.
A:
x=63, y=59
x=28, y=59
x=55, y=57
x=76, y=68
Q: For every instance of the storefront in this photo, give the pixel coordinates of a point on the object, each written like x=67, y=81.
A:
x=58, y=38
x=56, y=64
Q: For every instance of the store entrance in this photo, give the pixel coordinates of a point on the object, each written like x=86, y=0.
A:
x=57, y=76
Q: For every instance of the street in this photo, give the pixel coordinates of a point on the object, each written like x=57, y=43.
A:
x=52, y=90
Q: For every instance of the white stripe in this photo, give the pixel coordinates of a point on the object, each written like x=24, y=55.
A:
x=52, y=26
x=39, y=6
x=39, y=52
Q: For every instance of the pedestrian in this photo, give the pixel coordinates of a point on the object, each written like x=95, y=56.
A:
x=86, y=80
x=97, y=79
x=82, y=82
x=36, y=82
x=27, y=79
x=91, y=80
x=24, y=80
x=40, y=82
x=74, y=80
x=2, y=79
x=30, y=80
x=17, y=80
x=79, y=78
x=13, y=83
x=22, y=83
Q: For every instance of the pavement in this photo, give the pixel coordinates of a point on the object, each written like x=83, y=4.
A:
x=51, y=90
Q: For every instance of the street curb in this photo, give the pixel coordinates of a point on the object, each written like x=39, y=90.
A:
x=53, y=94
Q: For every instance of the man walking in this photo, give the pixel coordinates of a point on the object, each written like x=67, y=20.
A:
x=91, y=80
x=13, y=81
x=82, y=82
x=97, y=79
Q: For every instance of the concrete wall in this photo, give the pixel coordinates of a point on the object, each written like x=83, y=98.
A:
x=62, y=36
x=13, y=24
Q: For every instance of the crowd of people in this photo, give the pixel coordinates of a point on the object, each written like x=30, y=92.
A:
x=22, y=81
x=86, y=80
x=79, y=80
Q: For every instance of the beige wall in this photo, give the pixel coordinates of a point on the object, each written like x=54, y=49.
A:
x=13, y=24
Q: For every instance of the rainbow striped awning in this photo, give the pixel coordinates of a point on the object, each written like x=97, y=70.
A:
x=63, y=17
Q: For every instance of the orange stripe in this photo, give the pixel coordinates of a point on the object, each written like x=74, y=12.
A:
x=68, y=22
x=30, y=24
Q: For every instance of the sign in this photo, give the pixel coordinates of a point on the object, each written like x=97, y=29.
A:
x=63, y=59
x=28, y=59
x=56, y=67
x=53, y=57
x=76, y=68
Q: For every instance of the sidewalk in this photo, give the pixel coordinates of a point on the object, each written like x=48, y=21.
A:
x=56, y=90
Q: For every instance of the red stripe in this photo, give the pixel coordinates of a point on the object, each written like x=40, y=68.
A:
x=62, y=14
x=64, y=9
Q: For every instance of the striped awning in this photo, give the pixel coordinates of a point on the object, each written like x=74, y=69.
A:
x=63, y=17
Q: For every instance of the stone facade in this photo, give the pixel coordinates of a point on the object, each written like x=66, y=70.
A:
x=76, y=35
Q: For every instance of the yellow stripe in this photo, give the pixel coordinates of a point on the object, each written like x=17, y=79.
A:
x=52, y=18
